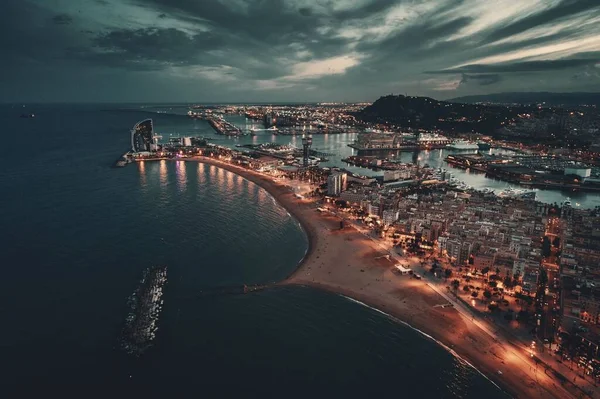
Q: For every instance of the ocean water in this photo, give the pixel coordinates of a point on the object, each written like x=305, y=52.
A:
x=77, y=234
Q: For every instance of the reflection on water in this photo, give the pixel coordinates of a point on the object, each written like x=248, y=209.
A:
x=180, y=170
x=262, y=196
x=142, y=170
x=201, y=174
x=230, y=178
x=220, y=178
x=164, y=181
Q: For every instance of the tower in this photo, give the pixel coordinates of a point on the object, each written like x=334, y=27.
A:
x=306, y=144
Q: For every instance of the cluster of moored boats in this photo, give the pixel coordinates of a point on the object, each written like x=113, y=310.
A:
x=509, y=192
x=145, y=306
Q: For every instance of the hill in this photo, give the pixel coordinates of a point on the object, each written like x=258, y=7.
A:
x=428, y=113
x=549, y=98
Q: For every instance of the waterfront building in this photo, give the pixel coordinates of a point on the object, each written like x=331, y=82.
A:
x=373, y=209
x=483, y=260
x=389, y=216
x=142, y=137
x=365, y=181
x=519, y=267
x=458, y=251
x=379, y=140
x=353, y=197
x=432, y=139
x=393, y=175
x=336, y=183
x=582, y=172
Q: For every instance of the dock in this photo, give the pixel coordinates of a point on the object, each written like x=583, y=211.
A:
x=230, y=290
x=407, y=147
x=223, y=127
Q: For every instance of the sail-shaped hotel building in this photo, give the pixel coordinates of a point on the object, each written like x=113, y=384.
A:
x=142, y=137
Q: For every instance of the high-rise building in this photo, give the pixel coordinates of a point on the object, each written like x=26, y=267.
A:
x=142, y=136
x=336, y=183
x=306, y=144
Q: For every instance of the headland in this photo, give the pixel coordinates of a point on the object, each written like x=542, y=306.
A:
x=346, y=262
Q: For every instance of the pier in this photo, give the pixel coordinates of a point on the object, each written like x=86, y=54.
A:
x=403, y=147
x=225, y=128
x=231, y=290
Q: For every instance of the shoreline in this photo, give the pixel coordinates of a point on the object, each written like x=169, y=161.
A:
x=358, y=272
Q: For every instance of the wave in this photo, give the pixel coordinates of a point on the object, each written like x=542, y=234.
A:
x=450, y=350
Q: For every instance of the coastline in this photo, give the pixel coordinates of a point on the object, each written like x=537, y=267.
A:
x=359, y=272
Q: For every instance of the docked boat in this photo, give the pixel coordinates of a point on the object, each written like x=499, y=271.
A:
x=196, y=115
x=517, y=193
x=462, y=145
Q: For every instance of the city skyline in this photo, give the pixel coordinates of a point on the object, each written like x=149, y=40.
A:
x=245, y=51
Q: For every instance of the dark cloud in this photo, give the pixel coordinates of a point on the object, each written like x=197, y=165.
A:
x=62, y=19
x=366, y=9
x=265, y=43
x=163, y=45
x=305, y=11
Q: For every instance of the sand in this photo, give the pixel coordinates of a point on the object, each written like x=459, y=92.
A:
x=347, y=262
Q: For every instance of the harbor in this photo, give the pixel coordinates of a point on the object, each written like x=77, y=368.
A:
x=536, y=171
x=332, y=151
x=223, y=127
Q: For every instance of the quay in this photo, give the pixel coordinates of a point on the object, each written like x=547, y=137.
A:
x=401, y=147
x=530, y=171
x=223, y=127
x=231, y=290
x=373, y=162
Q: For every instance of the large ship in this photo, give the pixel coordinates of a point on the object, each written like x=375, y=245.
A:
x=197, y=115
x=145, y=305
x=483, y=145
x=516, y=193
x=462, y=145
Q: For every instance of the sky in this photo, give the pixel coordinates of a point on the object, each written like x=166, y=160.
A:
x=293, y=50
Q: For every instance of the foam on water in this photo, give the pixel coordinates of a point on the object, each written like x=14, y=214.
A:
x=450, y=350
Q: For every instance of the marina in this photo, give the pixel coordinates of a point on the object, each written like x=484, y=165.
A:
x=225, y=128
x=333, y=151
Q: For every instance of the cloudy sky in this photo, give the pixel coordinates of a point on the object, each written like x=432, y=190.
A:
x=294, y=50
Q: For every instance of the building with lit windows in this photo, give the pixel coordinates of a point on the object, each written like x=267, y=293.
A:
x=336, y=183
x=142, y=137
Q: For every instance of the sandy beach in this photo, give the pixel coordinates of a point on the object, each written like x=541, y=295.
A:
x=347, y=262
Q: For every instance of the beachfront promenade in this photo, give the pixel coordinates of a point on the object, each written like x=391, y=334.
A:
x=518, y=345
x=351, y=263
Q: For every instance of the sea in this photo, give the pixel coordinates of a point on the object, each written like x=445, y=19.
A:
x=77, y=235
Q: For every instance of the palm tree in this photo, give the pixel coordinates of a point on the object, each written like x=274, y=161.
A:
x=485, y=271
x=455, y=284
